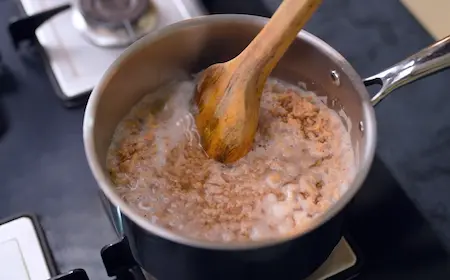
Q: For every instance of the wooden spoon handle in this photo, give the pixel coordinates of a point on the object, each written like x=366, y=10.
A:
x=264, y=52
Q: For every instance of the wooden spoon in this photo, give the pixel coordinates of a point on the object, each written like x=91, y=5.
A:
x=228, y=94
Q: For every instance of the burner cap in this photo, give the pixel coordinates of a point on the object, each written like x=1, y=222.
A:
x=113, y=13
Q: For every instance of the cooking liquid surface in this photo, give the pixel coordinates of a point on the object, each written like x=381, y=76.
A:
x=301, y=163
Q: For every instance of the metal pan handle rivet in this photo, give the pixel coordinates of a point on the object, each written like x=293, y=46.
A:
x=335, y=78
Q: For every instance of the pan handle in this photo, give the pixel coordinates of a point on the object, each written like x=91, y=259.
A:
x=427, y=61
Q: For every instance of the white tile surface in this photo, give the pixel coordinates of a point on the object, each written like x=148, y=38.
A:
x=21, y=256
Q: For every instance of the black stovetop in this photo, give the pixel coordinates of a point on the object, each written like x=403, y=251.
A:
x=396, y=241
x=44, y=170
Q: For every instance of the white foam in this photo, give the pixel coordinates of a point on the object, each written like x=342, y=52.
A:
x=283, y=165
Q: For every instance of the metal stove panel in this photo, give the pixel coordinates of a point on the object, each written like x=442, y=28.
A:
x=78, y=64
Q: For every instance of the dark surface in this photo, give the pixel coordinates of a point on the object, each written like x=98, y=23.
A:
x=291, y=260
x=43, y=167
x=395, y=240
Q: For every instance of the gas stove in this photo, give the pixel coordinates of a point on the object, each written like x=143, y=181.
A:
x=79, y=39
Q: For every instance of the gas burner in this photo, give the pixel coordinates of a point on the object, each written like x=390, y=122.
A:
x=113, y=13
x=114, y=23
x=68, y=33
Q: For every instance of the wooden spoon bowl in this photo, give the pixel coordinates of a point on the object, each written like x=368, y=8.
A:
x=228, y=94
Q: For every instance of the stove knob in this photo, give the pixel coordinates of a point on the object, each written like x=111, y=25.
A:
x=76, y=274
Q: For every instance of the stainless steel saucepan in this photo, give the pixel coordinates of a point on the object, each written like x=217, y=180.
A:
x=193, y=45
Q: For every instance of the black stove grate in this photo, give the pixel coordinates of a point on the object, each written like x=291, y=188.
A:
x=121, y=265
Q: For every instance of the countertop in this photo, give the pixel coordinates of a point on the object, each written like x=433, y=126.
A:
x=44, y=171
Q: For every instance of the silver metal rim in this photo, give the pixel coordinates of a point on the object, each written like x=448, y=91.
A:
x=108, y=189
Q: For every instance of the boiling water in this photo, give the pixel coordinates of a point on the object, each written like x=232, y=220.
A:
x=300, y=164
